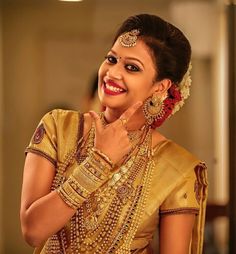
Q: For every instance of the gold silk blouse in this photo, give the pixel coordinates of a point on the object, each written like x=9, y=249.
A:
x=178, y=184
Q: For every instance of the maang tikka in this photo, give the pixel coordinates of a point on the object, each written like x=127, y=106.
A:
x=130, y=38
x=153, y=108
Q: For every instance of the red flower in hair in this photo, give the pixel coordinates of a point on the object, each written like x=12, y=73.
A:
x=175, y=93
x=169, y=103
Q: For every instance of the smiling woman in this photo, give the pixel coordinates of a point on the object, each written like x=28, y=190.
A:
x=104, y=182
x=128, y=74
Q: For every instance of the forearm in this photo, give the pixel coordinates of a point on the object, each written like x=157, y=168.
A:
x=45, y=217
x=48, y=214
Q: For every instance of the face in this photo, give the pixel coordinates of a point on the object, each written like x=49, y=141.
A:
x=126, y=76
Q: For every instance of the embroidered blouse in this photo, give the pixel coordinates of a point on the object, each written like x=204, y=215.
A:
x=178, y=184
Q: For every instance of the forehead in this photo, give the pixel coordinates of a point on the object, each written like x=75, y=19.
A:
x=139, y=51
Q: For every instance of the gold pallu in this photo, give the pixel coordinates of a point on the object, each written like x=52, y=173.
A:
x=179, y=182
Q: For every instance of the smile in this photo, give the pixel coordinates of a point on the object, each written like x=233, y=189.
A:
x=111, y=89
x=114, y=89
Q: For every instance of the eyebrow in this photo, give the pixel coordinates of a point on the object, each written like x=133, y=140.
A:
x=129, y=58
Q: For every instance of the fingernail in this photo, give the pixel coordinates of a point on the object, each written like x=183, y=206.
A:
x=91, y=113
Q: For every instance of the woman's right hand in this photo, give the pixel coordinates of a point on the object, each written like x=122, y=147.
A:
x=113, y=139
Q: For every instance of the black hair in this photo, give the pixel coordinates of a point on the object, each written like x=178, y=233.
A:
x=170, y=49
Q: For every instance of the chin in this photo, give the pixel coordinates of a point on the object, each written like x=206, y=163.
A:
x=119, y=108
x=114, y=103
x=111, y=103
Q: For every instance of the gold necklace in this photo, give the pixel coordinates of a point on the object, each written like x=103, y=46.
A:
x=99, y=234
x=96, y=227
x=134, y=135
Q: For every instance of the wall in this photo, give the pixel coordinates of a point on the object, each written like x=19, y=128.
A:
x=1, y=143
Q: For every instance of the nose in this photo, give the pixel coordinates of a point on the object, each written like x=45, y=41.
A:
x=115, y=71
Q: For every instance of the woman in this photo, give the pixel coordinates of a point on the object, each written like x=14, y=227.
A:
x=104, y=182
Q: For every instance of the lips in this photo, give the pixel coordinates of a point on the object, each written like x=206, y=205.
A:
x=111, y=88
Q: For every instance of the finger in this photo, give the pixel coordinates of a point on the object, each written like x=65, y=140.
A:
x=123, y=121
x=131, y=110
x=97, y=120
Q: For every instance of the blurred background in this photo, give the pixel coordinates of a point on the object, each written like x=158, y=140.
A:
x=50, y=52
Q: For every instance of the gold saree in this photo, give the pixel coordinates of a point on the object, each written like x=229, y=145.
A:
x=177, y=184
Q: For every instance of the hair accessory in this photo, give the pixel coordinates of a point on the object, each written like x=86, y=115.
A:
x=153, y=109
x=177, y=94
x=184, y=89
x=129, y=39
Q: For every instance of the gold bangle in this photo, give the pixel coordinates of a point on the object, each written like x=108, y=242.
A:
x=67, y=199
x=103, y=156
x=84, y=180
x=99, y=168
x=91, y=174
x=77, y=187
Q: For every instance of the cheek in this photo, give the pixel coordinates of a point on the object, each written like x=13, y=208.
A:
x=144, y=87
x=101, y=72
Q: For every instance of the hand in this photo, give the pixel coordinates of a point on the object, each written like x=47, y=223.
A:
x=113, y=139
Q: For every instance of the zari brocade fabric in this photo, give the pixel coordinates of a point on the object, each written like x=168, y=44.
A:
x=122, y=219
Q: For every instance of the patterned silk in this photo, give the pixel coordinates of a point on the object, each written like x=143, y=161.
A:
x=178, y=184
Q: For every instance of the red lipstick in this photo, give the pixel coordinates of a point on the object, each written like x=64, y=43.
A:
x=111, y=88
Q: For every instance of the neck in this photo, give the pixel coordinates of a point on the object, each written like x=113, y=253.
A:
x=135, y=122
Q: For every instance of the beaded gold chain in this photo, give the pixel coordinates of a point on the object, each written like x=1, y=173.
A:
x=95, y=227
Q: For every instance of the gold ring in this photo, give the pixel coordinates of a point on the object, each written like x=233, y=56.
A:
x=123, y=121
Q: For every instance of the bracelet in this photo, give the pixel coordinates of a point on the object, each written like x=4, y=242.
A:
x=77, y=187
x=103, y=156
x=67, y=198
x=84, y=180
x=100, y=166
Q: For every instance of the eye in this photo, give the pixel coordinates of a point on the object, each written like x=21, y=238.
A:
x=132, y=67
x=111, y=59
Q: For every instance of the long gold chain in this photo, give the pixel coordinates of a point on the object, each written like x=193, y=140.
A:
x=97, y=233
x=95, y=227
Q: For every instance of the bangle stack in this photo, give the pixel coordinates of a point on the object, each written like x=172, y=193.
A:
x=85, y=179
x=103, y=157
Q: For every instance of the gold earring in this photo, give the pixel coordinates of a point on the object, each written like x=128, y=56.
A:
x=153, y=108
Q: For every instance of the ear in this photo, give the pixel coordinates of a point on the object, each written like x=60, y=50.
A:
x=161, y=87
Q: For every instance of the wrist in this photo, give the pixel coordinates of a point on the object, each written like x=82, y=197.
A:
x=102, y=157
x=84, y=180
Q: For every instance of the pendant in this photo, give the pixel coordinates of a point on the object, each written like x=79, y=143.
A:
x=91, y=222
x=124, y=192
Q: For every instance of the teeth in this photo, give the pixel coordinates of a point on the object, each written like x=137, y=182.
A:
x=114, y=89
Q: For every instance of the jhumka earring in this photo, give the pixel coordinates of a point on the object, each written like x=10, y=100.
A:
x=129, y=39
x=153, y=108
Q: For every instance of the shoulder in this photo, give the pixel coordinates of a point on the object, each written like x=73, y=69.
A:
x=172, y=157
x=70, y=119
x=63, y=120
x=178, y=171
x=63, y=125
x=61, y=114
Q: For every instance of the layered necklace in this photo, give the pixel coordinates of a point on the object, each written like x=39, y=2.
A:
x=108, y=220
x=134, y=135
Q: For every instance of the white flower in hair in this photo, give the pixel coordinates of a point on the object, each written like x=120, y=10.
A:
x=184, y=88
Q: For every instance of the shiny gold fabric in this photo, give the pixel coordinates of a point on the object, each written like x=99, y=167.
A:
x=178, y=184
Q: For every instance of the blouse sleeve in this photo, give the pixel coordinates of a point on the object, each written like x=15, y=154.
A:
x=184, y=198
x=190, y=197
x=44, y=140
